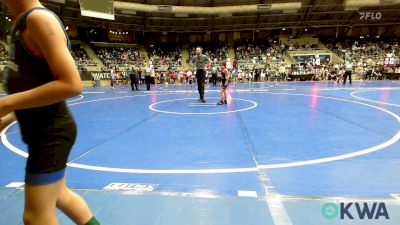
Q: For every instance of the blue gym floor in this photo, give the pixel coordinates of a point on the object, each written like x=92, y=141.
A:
x=274, y=155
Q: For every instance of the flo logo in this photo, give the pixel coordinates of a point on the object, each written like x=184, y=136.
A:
x=370, y=15
x=355, y=210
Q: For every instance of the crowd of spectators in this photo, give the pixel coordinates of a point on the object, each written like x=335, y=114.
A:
x=256, y=53
x=365, y=51
x=296, y=46
x=217, y=52
x=121, y=56
x=3, y=55
x=81, y=58
x=165, y=56
x=254, y=61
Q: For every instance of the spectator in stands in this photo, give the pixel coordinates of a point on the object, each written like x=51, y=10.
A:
x=369, y=71
x=332, y=74
x=173, y=77
x=3, y=55
x=214, y=74
x=340, y=76
x=377, y=73
x=94, y=83
x=359, y=70
x=190, y=76
x=262, y=75
x=113, y=77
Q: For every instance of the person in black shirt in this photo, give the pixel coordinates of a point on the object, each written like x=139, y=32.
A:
x=214, y=74
x=133, y=77
x=41, y=74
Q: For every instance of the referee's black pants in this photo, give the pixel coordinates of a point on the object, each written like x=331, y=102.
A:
x=201, y=78
x=347, y=74
x=147, y=80
x=214, y=79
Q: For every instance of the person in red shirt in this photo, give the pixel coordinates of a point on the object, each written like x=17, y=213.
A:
x=173, y=76
x=184, y=77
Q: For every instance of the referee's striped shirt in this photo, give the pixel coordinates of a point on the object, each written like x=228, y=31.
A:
x=201, y=61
